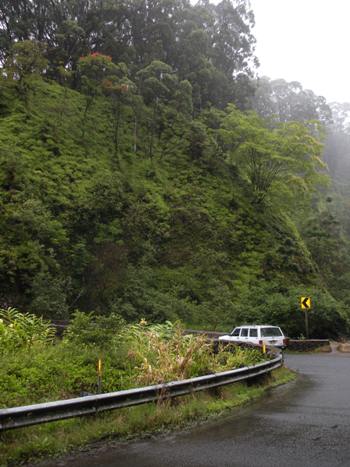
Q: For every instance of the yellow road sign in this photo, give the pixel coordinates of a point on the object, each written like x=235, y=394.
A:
x=305, y=303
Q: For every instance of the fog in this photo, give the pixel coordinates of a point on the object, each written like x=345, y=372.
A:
x=306, y=41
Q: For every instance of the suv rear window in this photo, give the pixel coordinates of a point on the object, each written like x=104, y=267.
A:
x=270, y=332
x=253, y=333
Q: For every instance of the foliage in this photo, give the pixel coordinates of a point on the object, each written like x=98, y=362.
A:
x=132, y=355
x=208, y=44
x=25, y=60
x=88, y=329
x=129, y=186
x=162, y=354
x=268, y=303
x=286, y=158
x=23, y=330
x=281, y=101
x=24, y=63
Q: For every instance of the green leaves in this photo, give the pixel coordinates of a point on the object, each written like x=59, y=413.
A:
x=132, y=356
x=281, y=159
x=18, y=330
x=26, y=60
x=87, y=329
x=120, y=201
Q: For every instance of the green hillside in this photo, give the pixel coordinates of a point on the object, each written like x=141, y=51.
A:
x=171, y=224
x=146, y=170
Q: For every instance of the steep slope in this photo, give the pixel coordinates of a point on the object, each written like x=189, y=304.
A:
x=161, y=227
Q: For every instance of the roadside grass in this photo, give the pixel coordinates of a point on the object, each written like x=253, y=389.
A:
x=59, y=438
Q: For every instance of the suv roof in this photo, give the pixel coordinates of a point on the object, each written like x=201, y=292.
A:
x=257, y=326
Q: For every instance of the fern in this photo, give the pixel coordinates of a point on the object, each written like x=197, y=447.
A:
x=24, y=329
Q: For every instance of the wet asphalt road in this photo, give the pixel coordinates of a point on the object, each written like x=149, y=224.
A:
x=305, y=423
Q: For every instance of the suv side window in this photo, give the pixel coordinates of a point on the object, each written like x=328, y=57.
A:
x=253, y=332
x=244, y=332
x=236, y=332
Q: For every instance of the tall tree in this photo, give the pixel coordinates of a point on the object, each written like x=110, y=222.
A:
x=24, y=64
x=284, y=101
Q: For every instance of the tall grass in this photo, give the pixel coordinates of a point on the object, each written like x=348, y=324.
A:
x=37, y=368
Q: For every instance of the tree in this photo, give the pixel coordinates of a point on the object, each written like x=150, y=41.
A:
x=338, y=141
x=233, y=42
x=284, y=101
x=158, y=84
x=210, y=46
x=71, y=43
x=263, y=168
x=287, y=157
x=93, y=69
x=120, y=89
x=25, y=63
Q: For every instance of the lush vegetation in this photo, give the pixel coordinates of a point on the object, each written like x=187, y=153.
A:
x=35, y=368
x=146, y=172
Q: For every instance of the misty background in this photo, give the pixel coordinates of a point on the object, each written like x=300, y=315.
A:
x=305, y=41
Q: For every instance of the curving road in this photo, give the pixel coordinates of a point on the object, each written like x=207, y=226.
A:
x=306, y=423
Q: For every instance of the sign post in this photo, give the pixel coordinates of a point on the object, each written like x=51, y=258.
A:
x=99, y=375
x=305, y=304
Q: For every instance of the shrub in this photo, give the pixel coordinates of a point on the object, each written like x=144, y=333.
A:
x=90, y=329
x=132, y=355
x=23, y=330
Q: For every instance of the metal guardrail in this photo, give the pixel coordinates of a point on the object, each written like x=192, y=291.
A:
x=210, y=334
x=17, y=417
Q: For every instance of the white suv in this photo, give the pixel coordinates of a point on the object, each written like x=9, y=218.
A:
x=270, y=335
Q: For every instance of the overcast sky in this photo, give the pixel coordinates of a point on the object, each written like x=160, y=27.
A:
x=306, y=41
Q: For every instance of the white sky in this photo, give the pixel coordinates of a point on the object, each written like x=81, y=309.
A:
x=306, y=41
